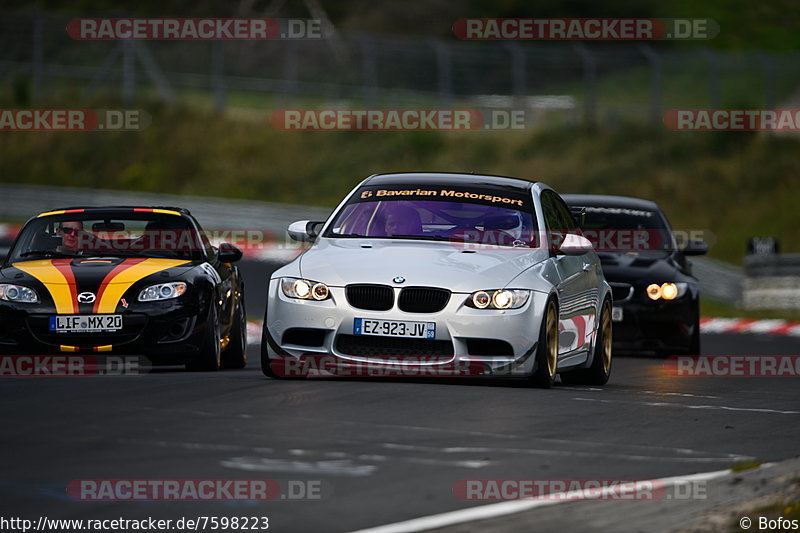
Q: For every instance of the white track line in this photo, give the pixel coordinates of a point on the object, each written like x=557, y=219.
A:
x=686, y=406
x=517, y=506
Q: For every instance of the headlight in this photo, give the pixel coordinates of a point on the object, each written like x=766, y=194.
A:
x=162, y=291
x=498, y=299
x=304, y=289
x=666, y=291
x=18, y=293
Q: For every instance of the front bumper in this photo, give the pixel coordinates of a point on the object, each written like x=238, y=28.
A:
x=487, y=342
x=660, y=326
x=166, y=332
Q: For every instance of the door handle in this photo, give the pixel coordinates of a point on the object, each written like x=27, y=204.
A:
x=587, y=267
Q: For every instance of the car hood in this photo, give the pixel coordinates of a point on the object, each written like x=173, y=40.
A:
x=59, y=281
x=339, y=262
x=635, y=267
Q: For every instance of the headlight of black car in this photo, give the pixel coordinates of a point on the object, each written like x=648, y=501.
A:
x=18, y=293
x=162, y=291
x=666, y=291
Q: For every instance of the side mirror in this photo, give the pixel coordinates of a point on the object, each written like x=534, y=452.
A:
x=579, y=214
x=228, y=253
x=695, y=248
x=305, y=230
x=575, y=245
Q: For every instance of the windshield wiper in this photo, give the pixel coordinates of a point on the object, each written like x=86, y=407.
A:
x=54, y=253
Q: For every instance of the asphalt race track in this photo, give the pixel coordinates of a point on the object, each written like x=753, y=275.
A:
x=382, y=450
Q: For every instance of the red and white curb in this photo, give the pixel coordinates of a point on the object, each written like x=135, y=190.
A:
x=749, y=325
x=253, y=332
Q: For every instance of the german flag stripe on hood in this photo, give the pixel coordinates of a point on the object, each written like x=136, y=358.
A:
x=63, y=277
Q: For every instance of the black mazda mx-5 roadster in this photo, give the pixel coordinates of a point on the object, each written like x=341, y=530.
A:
x=123, y=280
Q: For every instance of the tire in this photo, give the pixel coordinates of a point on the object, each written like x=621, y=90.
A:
x=208, y=359
x=694, y=342
x=694, y=345
x=547, y=349
x=235, y=354
x=600, y=371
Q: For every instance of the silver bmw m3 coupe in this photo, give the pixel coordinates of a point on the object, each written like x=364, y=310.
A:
x=438, y=274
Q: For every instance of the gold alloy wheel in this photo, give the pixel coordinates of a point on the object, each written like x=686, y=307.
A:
x=551, y=327
x=607, y=339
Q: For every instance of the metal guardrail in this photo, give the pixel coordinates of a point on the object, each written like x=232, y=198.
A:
x=719, y=280
x=360, y=69
x=22, y=201
x=772, y=282
x=758, y=266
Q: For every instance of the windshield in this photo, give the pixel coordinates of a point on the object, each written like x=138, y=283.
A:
x=482, y=215
x=621, y=230
x=134, y=234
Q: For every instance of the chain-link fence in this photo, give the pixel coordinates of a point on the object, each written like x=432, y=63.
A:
x=576, y=80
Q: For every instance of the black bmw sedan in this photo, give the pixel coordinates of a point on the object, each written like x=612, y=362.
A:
x=656, y=298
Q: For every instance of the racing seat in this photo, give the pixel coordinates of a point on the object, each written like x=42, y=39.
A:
x=168, y=236
x=45, y=241
x=493, y=232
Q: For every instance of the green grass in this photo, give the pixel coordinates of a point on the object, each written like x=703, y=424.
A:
x=787, y=510
x=712, y=308
x=741, y=466
x=685, y=83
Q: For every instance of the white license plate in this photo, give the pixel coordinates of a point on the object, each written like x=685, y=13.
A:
x=85, y=323
x=394, y=328
x=616, y=314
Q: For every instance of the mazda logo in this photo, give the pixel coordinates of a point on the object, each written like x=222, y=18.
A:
x=86, y=297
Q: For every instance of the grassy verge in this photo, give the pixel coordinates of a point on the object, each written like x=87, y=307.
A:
x=782, y=514
x=729, y=185
x=712, y=308
x=741, y=466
